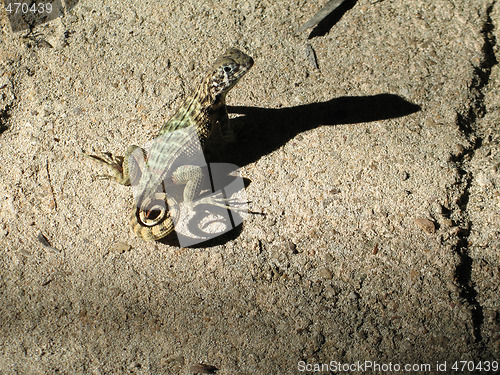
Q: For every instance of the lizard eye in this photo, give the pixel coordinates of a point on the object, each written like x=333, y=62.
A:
x=227, y=69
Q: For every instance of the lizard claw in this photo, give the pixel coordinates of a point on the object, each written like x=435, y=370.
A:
x=101, y=177
x=107, y=158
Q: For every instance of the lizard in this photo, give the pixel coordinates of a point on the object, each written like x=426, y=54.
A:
x=181, y=137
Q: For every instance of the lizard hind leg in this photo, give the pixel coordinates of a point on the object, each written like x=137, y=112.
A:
x=155, y=217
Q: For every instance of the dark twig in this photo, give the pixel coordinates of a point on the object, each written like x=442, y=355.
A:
x=322, y=14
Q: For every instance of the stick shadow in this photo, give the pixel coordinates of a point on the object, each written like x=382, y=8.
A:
x=324, y=26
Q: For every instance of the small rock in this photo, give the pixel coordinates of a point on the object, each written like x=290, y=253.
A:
x=448, y=223
x=426, y=224
x=311, y=56
x=122, y=247
x=353, y=295
x=3, y=230
x=77, y=111
x=302, y=324
x=201, y=368
x=362, y=335
x=459, y=150
x=452, y=287
x=483, y=180
x=491, y=316
x=292, y=247
x=133, y=365
x=329, y=258
x=326, y=274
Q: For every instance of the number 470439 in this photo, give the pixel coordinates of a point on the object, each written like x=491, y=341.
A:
x=25, y=8
x=473, y=366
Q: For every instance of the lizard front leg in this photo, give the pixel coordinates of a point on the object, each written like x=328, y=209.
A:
x=225, y=126
x=123, y=170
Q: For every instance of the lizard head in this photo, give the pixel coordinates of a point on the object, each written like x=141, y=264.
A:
x=227, y=71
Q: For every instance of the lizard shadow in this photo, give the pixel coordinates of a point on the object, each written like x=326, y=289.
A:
x=261, y=131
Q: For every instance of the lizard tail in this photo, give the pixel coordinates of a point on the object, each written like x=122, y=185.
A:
x=155, y=217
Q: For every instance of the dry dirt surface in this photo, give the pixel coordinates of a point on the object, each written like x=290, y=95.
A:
x=370, y=144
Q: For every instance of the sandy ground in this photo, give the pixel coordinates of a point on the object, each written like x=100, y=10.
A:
x=378, y=172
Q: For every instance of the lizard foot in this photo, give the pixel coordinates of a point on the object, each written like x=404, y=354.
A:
x=113, y=162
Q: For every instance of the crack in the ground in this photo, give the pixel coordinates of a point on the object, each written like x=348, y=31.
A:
x=467, y=124
x=4, y=116
x=6, y=103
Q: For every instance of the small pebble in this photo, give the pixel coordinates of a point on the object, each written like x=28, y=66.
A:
x=122, y=247
x=448, y=223
x=133, y=365
x=326, y=274
x=353, y=295
x=459, y=150
x=491, y=315
x=203, y=369
x=452, y=287
x=330, y=290
x=426, y=224
x=302, y=325
x=362, y=335
x=311, y=56
x=483, y=180
x=292, y=247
